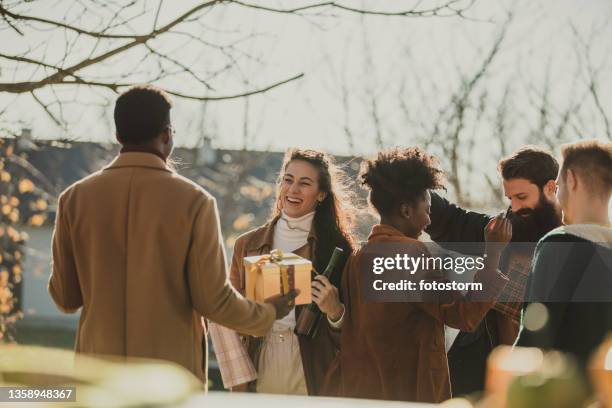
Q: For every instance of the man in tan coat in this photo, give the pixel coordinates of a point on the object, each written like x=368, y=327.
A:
x=138, y=249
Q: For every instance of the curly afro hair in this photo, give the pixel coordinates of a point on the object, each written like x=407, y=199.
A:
x=398, y=176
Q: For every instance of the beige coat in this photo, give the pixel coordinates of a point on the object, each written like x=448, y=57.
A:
x=138, y=249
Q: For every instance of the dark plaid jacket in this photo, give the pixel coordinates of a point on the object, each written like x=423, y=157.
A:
x=451, y=224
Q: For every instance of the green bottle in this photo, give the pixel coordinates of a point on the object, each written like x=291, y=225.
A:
x=306, y=324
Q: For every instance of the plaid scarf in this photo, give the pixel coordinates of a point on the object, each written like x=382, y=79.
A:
x=516, y=264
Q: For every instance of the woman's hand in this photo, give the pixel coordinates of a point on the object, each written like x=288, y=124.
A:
x=498, y=233
x=498, y=230
x=325, y=295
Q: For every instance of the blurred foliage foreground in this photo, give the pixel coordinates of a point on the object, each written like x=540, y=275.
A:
x=98, y=382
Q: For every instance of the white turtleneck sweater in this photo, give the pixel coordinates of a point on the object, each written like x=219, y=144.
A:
x=290, y=234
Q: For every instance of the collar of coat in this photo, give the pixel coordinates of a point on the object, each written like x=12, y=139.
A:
x=128, y=148
x=262, y=238
x=138, y=159
x=387, y=233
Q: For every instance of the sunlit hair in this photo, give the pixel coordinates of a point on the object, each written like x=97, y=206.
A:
x=400, y=175
x=592, y=161
x=334, y=216
x=530, y=163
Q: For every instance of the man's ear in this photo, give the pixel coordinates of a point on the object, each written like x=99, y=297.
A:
x=165, y=136
x=550, y=189
x=322, y=197
x=406, y=211
x=571, y=180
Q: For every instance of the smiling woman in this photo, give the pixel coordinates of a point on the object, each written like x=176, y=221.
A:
x=299, y=189
x=310, y=217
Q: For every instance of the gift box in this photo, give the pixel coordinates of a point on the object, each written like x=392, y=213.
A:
x=277, y=273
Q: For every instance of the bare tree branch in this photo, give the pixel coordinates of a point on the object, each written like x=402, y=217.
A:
x=595, y=93
x=459, y=105
x=115, y=87
x=159, y=7
x=242, y=95
x=96, y=34
x=10, y=23
x=46, y=109
x=592, y=77
x=182, y=66
x=414, y=12
x=59, y=76
x=110, y=37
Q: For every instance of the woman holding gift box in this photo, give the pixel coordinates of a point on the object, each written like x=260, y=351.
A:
x=394, y=350
x=310, y=218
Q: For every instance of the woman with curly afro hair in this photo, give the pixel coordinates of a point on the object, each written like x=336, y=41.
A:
x=395, y=350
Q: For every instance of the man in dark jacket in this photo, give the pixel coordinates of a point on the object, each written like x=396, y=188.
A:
x=572, y=268
x=529, y=183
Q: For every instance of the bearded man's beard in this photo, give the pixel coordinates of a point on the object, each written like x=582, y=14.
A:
x=529, y=225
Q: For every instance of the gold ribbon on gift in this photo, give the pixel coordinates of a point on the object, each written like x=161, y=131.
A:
x=275, y=256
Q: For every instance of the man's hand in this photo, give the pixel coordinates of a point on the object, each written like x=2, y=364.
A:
x=283, y=303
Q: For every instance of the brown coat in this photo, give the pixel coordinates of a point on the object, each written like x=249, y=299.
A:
x=138, y=249
x=395, y=351
x=317, y=353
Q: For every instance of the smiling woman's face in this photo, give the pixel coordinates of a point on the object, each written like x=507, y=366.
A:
x=299, y=189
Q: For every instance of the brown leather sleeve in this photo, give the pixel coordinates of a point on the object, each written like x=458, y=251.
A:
x=466, y=312
x=237, y=266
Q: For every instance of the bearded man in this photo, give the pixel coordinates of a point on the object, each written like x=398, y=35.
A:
x=528, y=177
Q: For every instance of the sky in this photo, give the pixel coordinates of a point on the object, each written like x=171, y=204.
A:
x=407, y=67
